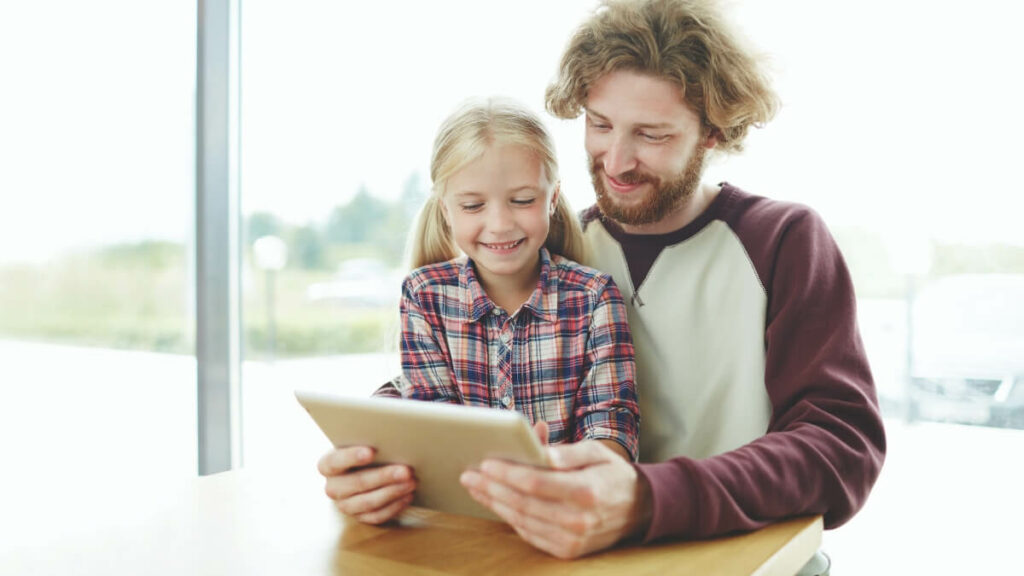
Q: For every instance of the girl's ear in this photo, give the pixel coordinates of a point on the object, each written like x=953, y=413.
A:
x=444, y=211
x=554, y=198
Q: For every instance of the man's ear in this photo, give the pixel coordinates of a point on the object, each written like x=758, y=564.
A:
x=713, y=138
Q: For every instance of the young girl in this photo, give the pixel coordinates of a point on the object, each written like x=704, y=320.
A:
x=513, y=322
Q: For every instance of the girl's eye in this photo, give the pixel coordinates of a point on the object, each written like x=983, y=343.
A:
x=471, y=207
x=523, y=201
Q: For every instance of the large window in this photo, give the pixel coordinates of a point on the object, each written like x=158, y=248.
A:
x=97, y=366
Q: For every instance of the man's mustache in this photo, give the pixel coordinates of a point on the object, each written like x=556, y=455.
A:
x=631, y=177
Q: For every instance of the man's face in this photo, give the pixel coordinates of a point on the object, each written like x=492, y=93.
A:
x=646, y=147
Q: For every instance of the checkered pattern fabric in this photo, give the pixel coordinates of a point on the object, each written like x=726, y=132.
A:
x=565, y=357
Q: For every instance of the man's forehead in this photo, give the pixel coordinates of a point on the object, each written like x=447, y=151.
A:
x=638, y=98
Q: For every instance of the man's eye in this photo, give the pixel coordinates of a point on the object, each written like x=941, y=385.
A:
x=598, y=125
x=654, y=137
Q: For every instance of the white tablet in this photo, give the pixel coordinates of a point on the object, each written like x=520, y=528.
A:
x=439, y=441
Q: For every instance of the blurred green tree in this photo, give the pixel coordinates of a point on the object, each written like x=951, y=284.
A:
x=261, y=224
x=357, y=221
x=307, y=244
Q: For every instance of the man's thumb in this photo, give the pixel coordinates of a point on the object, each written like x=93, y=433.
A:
x=579, y=455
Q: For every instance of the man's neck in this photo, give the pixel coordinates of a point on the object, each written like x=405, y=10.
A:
x=685, y=213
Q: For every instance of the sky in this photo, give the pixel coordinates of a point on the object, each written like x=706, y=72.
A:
x=899, y=116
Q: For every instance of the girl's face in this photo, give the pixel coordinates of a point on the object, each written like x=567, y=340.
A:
x=499, y=208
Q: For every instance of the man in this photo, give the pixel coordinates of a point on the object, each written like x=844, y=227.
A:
x=756, y=396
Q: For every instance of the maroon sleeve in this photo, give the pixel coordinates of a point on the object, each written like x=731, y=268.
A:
x=825, y=444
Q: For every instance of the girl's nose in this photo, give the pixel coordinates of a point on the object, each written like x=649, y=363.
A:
x=499, y=218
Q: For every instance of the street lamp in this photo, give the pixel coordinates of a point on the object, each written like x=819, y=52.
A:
x=270, y=254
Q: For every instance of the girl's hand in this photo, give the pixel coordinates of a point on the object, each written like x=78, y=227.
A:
x=541, y=430
x=372, y=495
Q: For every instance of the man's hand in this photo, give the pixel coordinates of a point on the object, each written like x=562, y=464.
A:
x=591, y=500
x=372, y=495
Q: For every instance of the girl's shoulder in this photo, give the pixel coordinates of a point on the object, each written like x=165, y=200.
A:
x=571, y=274
x=435, y=275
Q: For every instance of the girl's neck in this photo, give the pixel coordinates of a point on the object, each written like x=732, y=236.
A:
x=508, y=293
x=509, y=301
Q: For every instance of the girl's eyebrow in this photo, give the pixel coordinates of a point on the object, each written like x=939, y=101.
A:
x=475, y=194
x=525, y=187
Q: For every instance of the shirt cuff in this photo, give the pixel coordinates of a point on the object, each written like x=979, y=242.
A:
x=619, y=425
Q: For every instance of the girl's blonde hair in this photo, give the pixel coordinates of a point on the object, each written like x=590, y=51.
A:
x=687, y=42
x=463, y=138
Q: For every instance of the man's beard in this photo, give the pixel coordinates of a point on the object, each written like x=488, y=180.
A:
x=665, y=198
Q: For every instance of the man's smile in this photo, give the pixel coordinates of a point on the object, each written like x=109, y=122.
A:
x=622, y=187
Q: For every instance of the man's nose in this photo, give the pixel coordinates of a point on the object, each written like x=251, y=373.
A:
x=620, y=157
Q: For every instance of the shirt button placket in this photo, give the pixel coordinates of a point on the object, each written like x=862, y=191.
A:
x=504, y=381
x=509, y=351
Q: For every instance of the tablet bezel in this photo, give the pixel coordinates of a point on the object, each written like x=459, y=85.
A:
x=439, y=441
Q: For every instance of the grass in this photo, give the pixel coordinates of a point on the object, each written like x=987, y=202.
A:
x=98, y=301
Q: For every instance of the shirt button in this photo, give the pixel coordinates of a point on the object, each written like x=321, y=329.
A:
x=505, y=337
x=507, y=401
x=496, y=311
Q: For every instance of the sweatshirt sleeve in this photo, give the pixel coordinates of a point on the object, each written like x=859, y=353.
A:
x=825, y=443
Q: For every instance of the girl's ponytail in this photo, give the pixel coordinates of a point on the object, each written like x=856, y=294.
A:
x=565, y=237
x=431, y=241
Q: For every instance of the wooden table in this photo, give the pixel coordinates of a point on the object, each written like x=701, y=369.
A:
x=245, y=522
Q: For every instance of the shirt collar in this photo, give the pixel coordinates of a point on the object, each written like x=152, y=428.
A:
x=542, y=303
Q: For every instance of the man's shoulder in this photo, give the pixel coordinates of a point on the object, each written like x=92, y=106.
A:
x=773, y=232
x=741, y=204
x=760, y=219
x=589, y=215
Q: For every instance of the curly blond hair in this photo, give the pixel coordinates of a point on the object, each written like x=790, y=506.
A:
x=687, y=42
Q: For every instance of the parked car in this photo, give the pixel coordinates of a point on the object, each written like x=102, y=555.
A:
x=967, y=362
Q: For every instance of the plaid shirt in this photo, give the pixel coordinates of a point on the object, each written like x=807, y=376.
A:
x=566, y=357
